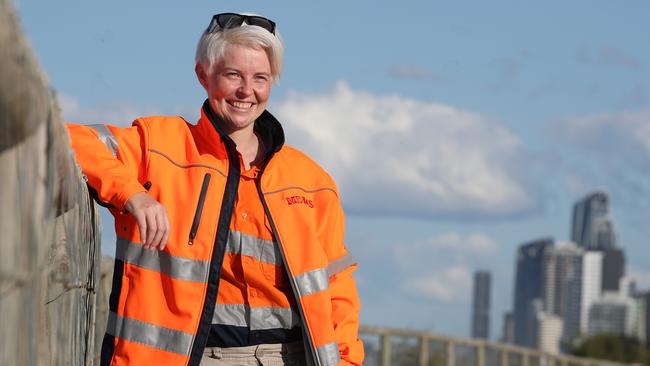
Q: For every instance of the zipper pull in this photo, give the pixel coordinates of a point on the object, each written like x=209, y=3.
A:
x=199, y=208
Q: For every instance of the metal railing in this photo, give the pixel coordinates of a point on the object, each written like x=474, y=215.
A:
x=399, y=347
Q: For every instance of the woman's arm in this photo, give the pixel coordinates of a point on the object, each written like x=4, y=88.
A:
x=345, y=298
x=113, y=160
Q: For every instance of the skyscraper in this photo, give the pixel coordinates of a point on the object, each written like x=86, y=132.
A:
x=592, y=227
x=481, y=305
x=507, y=333
x=561, y=266
x=529, y=285
x=548, y=328
x=581, y=293
x=616, y=313
x=613, y=269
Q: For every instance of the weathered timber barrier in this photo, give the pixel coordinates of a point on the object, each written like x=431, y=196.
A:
x=49, y=227
x=399, y=347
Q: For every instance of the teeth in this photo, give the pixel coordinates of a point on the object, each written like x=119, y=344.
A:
x=242, y=105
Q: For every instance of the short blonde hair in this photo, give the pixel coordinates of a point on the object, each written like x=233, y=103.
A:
x=212, y=45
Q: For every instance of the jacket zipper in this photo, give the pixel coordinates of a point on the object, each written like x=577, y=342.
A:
x=199, y=208
x=292, y=281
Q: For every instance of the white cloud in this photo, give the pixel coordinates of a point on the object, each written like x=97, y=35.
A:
x=439, y=267
x=397, y=156
x=476, y=243
x=420, y=256
x=115, y=113
x=391, y=155
x=451, y=284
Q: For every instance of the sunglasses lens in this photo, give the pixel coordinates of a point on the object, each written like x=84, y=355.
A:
x=229, y=20
x=261, y=22
x=233, y=20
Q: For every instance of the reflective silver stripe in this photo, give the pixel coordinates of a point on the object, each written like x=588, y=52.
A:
x=149, y=334
x=328, y=354
x=312, y=281
x=262, y=250
x=155, y=260
x=107, y=137
x=340, y=265
x=241, y=315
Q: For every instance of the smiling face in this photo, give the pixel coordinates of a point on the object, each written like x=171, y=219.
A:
x=239, y=86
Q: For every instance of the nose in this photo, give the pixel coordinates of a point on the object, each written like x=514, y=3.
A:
x=245, y=88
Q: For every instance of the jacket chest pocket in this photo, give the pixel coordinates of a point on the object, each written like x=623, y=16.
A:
x=199, y=208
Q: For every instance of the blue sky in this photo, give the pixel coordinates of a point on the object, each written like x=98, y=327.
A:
x=456, y=131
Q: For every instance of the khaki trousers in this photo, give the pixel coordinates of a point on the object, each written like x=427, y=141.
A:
x=287, y=354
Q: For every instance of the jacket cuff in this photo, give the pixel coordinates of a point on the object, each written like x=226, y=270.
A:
x=119, y=201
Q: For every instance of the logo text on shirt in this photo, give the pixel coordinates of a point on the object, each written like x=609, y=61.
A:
x=300, y=199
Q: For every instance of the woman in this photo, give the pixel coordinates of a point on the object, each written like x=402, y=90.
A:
x=250, y=265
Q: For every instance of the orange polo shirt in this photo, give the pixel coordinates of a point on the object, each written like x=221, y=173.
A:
x=255, y=304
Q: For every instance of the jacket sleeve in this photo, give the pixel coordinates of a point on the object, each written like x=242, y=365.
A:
x=345, y=298
x=112, y=159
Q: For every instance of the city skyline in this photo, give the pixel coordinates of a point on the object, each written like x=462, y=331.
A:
x=453, y=138
x=568, y=290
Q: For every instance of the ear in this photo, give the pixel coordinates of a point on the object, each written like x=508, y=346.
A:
x=201, y=75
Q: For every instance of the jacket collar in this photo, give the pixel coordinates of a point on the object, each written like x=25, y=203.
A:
x=266, y=126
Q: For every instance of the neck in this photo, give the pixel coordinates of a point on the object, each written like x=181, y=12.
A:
x=248, y=145
x=247, y=142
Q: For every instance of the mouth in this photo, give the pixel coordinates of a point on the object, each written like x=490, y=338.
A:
x=240, y=106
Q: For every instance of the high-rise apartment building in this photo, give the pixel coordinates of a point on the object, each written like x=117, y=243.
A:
x=561, y=266
x=613, y=269
x=592, y=227
x=508, y=330
x=581, y=293
x=529, y=286
x=549, y=332
x=481, y=305
x=616, y=313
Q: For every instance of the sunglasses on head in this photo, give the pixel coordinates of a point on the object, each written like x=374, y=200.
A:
x=234, y=20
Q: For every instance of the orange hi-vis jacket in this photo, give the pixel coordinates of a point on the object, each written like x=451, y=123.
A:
x=163, y=302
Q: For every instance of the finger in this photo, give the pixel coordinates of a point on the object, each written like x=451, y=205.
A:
x=165, y=238
x=142, y=228
x=160, y=231
x=151, y=229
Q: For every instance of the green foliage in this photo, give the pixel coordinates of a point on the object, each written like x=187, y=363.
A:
x=613, y=348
